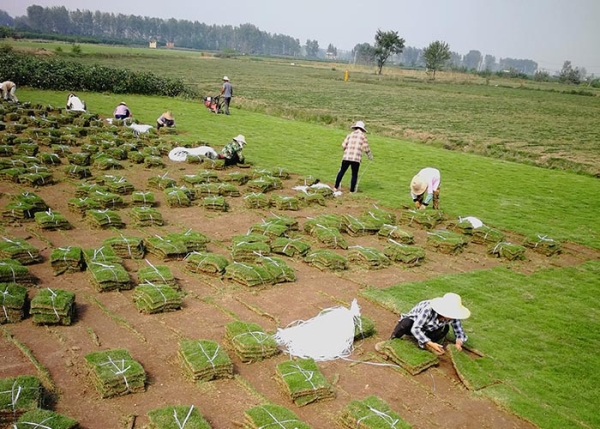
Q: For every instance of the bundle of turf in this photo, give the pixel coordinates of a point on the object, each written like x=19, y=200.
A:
x=371, y=413
x=236, y=177
x=246, y=248
x=271, y=415
x=119, y=185
x=13, y=299
x=193, y=241
x=487, y=235
x=307, y=180
x=327, y=260
x=41, y=178
x=257, y=173
x=381, y=216
x=12, y=271
x=359, y=226
x=395, y=233
x=177, y=198
x=208, y=176
x=278, y=268
x=109, y=276
x=161, y=182
x=103, y=255
x=53, y=307
x=543, y=244
x=311, y=198
x=507, y=250
x=408, y=355
x=136, y=157
x=290, y=222
x=62, y=150
x=283, y=202
x=19, y=250
x=303, y=381
x=18, y=211
x=152, y=298
x=363, y=328
x=205, y=360
x=331, y=237
x=165, y=248
x=126, y=247
x=424, y=218
x=107, y=200
x=216, y=203
x=116, y=373
x=52, y=220
x=250, y=342
x=213, y=164
x=206, y=263
x=78, y=171
x=146, y=216
x=461, y=225
x=290, y=246
x=322, y=220
x=80, y=158
x=48, y=158
x=12, y=174
x=45, y=419
x=206, y=190
x=265, y=184
x=247, y=274
x=88, y=188
x=256, y=200
x=153, y=162
x=177, y=417
x=270, y=227
x=156, y=274
x=32, y=201
x=19, y=395
x=193, y=179
x=143, y=199
x=228, y=190
x=445, y=241
x=104, y=219
x=104, y=162
x=67, y=260
x=368, y=257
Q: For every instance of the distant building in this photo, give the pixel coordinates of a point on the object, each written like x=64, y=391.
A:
x=170, y=44
x=152, y=44
x=330, y=56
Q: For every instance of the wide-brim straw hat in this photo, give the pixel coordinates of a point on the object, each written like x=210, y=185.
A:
x=225, y=78
x=240, y=139
x=450, y=305
x=123, y=103
x=359, y=124
x=168, y=115
x=418, y=185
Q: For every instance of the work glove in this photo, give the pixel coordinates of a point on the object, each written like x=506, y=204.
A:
x=422, y=207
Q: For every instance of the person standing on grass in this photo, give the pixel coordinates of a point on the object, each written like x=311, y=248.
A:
x=8, y=91
x=425, y=188
x=354, y=144
x=232, y=151
x=429, y=321
x=226, y=93
x=122, y=111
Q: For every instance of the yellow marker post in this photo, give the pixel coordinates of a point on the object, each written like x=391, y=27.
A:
x=346, y=76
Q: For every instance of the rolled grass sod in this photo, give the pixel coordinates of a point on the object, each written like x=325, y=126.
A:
x=278, y=268
x=426, y=219
x=177, y=198
x=256, y=200
x=166, y=248
x=13, y=299
x=487, y=235
x=407, y=254
x=368, y=257
x=45, y=419
x=445, y=241
x=177, y=417
x=116, y=373
x=67, y=260
x=270, y=228
x=290, y=246
x=303, y=381
x=81, y=205
x=126, y=247
x=104, y=219
x=311, y=198
x=156, y=274
x=394, y=232
x=205, y=360
x=109, y=276
x=192, y=240
x=143, y=198
x=104, y=254
x=371, y=413
x=271, y=415
x=407, y=354
x=52, y=220
x=325, y=259
x=107, y=199
x=53, y=307
x=151, y=298
x=329, y=236
x=247, y=248
x=206, y=263
x=236, y=177
x=323, y=220
x=283, y=202
x=250, y=342
x=248, y=274
x=19, y=395
x=215, y=203
x=359, y=226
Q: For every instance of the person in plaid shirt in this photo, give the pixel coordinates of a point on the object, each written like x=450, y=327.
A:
x=429, y=322
x=354, y=144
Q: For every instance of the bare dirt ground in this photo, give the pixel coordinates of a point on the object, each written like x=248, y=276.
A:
x=432, y=399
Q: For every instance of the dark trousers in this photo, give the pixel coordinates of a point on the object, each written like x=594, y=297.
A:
x=405, y=324
x=354, y=166
x=226, y=101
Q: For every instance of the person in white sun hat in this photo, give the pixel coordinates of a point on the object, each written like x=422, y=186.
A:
x=425, y=188
x=354, y=145
x=232, y=151
x=429, y=321
x=226, y=94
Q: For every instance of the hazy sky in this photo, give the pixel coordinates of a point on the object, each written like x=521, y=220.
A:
x=546, y=31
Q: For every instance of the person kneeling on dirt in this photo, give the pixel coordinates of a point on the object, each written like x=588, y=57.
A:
x=232, y=151
x=429, y=321
x=165, y=120
x=8, y=89
x=428, y=179
x=75, y=103
x=122, y=111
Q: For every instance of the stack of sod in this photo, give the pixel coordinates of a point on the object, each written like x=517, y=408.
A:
x=12, y=174
x=19, y=250
x=363, y=328
x=542, y=244
x=192, y=179
x=257, y=173
x=236, y=177
x=146, y=216
x=278, y=268
x=118, y=185
x=246, y=248
x=87, y=188
x=161, y=182
x=396, y=233
x=228, y=190
x=265, y=184
x=52, y=220
x=12, y=271
x=424, y=218
x=205, y=360
x=104, y=162
x=475, y=373
x=165, y=248
x=507, y=250
x=248, y=274
x=271, y=228
x=53, y=307
x=311, y=198
x=78, y=171
x=153, y=161
x=18, y=211
x=13, y=299
x=81, y=205
x=103, y=219
x=107, y=200
x=104, y=254
x=308, y=180
x=151, y=298
x=45, y=419
x=322, y=220
x=143, y=199
x=126, y=247
x=41, y=178
x=331, y=237
x=250, y=342
x=290, y=222
x=322, y=189
x=461, y=225
x=208, y=176
x=67, y=260
x=359, y=226
x=256, y=200
x=368, y=257
x=109, y=276
x=206, y=190
x=283, y=202
x=25, y=205
x=487, y=235
x=215, y=203
x=326, y=260
x=17, y=396
x=206, y=263
x=409, y=356
x=213, y=164
x=371, y=413
x=177, y=198
x=116, y=373
x=193, y=241
x=271, y=415
x=448, y=242
x=177, y=417
x=80, y=158
x=303, y=381
x=290, y=246
x=156, y=274
x=381, y=216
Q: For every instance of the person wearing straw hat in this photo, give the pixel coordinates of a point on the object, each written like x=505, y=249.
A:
x=165, y=120
x=8, y=89
x=425, y=188
x=232, y=151
x=226, y=94
x=429, y=321
x=354, y=145
x=122, y=111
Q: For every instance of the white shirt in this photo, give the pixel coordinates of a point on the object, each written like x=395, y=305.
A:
x=75, y=104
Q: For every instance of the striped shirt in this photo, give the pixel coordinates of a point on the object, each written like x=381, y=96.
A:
x=426, y=319
x=354, y=144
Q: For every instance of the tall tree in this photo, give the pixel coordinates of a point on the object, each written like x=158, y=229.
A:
x=472, y=60
x=312, y=48
x=568, y=74
x=6, y=19
x=364, y=53
x=437, y=54
x=332, y=50
x=386, y=44
x=489, y=63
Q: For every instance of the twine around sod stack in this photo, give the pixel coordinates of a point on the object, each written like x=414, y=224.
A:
x=324, y=259
x=397, y=234
x=371, y=413
x=368, y=257
x=53, y=307
x=43, y=418
x=270, y=415
x=250, y=342
x=290, y=246
x=507, y=250
x=445, y=241
x=19, y=395
x=303, y=381
x=19, y=250
x=543, y=244
x=206, y=263
x=152, y=298
x=177, y=417
x=205, y=360
x=13, y=299
x=67, y=260
x=156, y=274
x=12, y=271
x=126, y=247
x=116, y=373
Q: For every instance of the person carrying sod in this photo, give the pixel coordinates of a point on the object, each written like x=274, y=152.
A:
x=232, y=151
x=425, y=188
x=354, y=145
x=429, y=321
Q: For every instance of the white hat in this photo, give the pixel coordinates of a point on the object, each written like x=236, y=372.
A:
x=450, y=305
x=225, y=78
x=240, y=139
x=418, y=185
x=361, y=125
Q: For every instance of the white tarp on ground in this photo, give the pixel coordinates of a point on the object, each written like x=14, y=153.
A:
x=328, y=336
x=180, y=153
